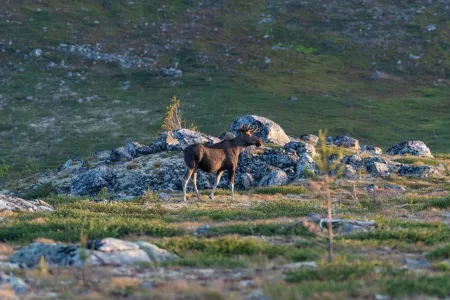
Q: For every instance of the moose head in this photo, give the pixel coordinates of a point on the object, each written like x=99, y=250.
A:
x=247, y=136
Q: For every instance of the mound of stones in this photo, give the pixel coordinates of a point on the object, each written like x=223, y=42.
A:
x=9, y=203
x=130, y=170
x=108, y=251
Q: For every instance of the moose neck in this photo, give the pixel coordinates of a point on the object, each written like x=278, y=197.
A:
x=238, y=143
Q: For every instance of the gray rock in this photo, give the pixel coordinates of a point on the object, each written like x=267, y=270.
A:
x=112, y=244
x=17, y=284
x=420, y=263
x=203, y=230
x=343, y=141
x=180, y=139
x=247, y=181
x=269, y=131
x=8, y=266
x=371, y=149
x=118, y=258
x=171, y=72
x=420, y=171
x=56, y=254
x=36, y=52
x=394, y=187
x=349, y=172
x=298, y=265
x=227, y=136
x=10, y=203
x=310, y=138
x=275, y=177
x=92, y=181
x=415, y=148
x=300, y=148
x=306, y=164
x=155, y=253
x=293, y=98
x=354, y=161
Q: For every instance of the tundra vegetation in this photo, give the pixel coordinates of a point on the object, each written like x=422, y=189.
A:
x=81, y=76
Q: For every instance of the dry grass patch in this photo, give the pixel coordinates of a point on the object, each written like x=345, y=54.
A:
x=6, y=249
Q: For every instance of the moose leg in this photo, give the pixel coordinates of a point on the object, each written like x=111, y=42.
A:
x=194, y=181
x=219, y=174
x=187, y=176
x=231, y=177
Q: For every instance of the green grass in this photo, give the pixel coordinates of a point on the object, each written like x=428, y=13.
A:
x=286, y=189
x=439, y=253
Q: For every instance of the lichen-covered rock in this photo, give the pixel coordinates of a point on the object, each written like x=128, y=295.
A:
x=227, y=136
x=349, y=172
x=275, y=177
x=92, y=181
x=247, y=181
x=155, y=253
x=377, y=167
x=371, y=149
x=269, y=131
x=300, y=148
x=118, y=258
x=9, y=203
x=310, y=139
x=56, y=254
x=112, y=244
x=343, y=141
x=415, y=148
x=180, y=139
x=420, y=171
x=17, y=284
x=72, y=166
x=354, y=161
x=305, y=165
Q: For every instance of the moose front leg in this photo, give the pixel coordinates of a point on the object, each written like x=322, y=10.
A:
x=187, y=176
x=231, y=177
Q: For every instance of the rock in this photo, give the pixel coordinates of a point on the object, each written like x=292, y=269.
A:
x=155, y=253
x=420, y=263
x=394, y=188
x=17, y=284
x=349, y=172
x=203, y=230
x=305, y=164
x=171, y=72
x=8, y=266
x=9, y=203
x=431, y=27
x=57, y=254
x=118, y=258
x=121, y=154
x=164, y=196
x=379, y=75
x=343, y=141
x=300, y=148
x=275, y=177
x=269, y=131
x=377, y=166
x=112, y=244
x=227, y=136
x=72, y=166
x=298, y=265
x=293, y=98
x=420, y=171
x=310, y=138
x=247, y=181
x=92, y=181
x=371, y=188
x=36, y=52
x=180, y=139
x=371, y=149
x=415, y=148
x=103, y=156
x=354, y=161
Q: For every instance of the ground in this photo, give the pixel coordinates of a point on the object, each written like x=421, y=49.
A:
x=250, y=247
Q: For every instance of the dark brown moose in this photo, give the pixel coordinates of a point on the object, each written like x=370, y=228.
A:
x=217, y=158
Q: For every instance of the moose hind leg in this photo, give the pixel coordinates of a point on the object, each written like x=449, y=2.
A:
x=194, y=181
x=231, y=177
x=187, y=176
x=219, y=175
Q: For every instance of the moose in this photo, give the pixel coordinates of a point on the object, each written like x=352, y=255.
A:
x=217, y=158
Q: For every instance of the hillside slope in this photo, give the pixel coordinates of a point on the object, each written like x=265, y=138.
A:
x=82, y=76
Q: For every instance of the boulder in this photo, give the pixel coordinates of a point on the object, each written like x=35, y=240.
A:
x=415, y=148
x=54, y=254
x=117, y=258
x=112, y=244
x=247, y=181
x=15, y=283
x=180, y=139
x=300, y=148
x=155, y=253
x=305, y=164
x=310, y=139
x=349, y=172
x=420, y=171
x=9, y=203
x=371, y=149
x=269, y=131
x=377, y=168
x=227, y=136
x=275, y=177
x=354, y=161
x=343, y=141
x=92, y=181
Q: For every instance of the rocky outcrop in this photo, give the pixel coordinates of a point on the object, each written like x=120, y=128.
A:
x=92, y=181
x=415, y=148
x=269, y=131
x=275, y=177
x=180, y=139
x=9, y=203
x=310, y=139
x=300, y=148
x=17, y=284
x=343, y=141
x=108, y=251
x=370, y=149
